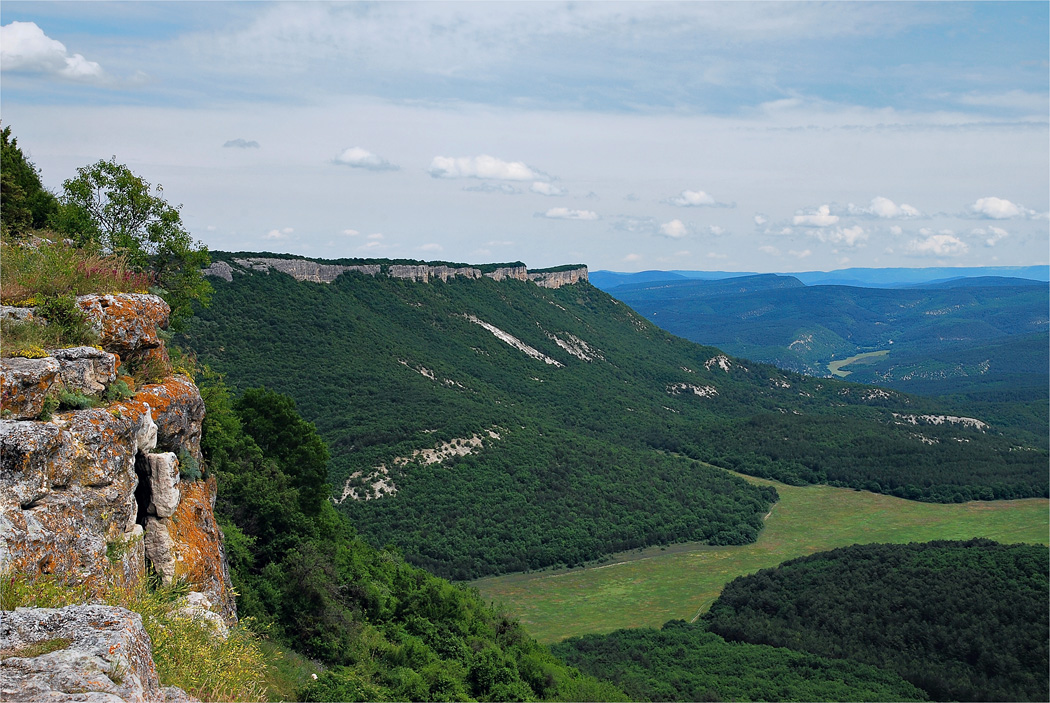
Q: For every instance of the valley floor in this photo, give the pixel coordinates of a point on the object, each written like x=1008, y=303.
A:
x=646, y=588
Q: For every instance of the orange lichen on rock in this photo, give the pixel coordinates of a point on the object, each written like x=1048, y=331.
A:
x=198, y=543
x=178, y=411
x=126, y=322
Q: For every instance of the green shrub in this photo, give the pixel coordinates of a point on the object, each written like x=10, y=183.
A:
x=75, y=400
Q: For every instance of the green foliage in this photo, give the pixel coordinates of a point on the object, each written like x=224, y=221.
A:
x=38, y=649
x=109, y=206
x=392, y=631
x=24, y=202
x=960, y=620
x=189, y=467
x=118, y=390
x=50, y=406
x=75, y=400
x=592, y=455
x=685, y=662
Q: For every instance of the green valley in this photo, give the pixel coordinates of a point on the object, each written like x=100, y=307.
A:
x=646, y=588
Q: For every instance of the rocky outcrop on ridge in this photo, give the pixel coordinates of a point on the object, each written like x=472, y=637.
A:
x=308, y=270
x=92, y=653
x=97, y=494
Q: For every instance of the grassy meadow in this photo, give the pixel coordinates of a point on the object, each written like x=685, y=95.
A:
x=647, y=588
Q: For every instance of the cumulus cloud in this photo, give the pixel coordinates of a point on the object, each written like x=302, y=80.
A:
x=432, y=247
x=692, y=198
x=821, y=218
x=279, y=233
x=769, y=249
x=849, y=236
x=716, y=230
x=356, y=157
x=991, y=236
x=715, y=255
x=675, y=229
x=350, y=232
x=25, y=48
x=943, y=243
x=632, y=257
x=999, y=209
x=544, y=188
x=884, y=208
x=800, y=254
x=760, y=219
x=241, y=144
x=564, y=213
x=483, y=166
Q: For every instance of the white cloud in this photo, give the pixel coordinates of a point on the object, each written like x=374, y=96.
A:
x=632, y=257
x=356, y=157
x=675, y=229
x=801, y=254
x=896, y=230
x=241, y=144
x=564, y=213
x=25, y=48
x=992, y=235
x=716, y=230
x=941, y=244
x=821, y=218
x=760, y=219
x=692, y=198
x=432, y=247
x=483, y=166
x=885, y=208
x=769, y=249
x=714, y=255
x=998, y=209
x=351, y=232
x=544, y=188
x=377, y=235
x=850, y=236
x=278, y=233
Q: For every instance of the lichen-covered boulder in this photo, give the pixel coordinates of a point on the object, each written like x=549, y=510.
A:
x=98, y=653
x=9, y=312
x=126, y=322
x=178, y=410
x=86, y=369
x=24, y=384
x=198, y=544
x=197, y=606
x=160, y=549
x=34, y=456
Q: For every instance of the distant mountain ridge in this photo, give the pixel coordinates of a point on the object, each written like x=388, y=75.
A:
x=864, y=277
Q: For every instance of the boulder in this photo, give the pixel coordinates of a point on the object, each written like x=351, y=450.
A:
x=86, y=369
x=160, y=550
x=24, y=384
x=197, y=606
x=178, y=410
x=163, y=473
x=126, y=322
x=8, y=312
x=97, y=653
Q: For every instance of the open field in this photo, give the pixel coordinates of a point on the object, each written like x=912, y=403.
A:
x=649, y=587
x=835, y=367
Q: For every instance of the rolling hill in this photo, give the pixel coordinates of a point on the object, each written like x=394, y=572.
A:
x=491, y=419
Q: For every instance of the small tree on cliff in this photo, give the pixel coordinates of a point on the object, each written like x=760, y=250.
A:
x=24, y=202
x=110, y=207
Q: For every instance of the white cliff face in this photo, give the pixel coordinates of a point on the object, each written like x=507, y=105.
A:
x=515, y=342
x=308, y=270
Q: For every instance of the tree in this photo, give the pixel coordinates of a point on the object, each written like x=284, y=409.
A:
x=108, y=206
x=24, y=202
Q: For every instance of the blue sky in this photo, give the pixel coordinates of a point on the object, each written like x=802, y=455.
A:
x=767, y=136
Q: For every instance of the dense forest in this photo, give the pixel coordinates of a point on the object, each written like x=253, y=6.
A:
x=385, y=630
x=685, y=662
x=961, y=620
x=589, y=448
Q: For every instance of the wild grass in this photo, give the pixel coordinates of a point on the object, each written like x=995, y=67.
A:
x=649, y=587
x=186, y=651
x=30, y=273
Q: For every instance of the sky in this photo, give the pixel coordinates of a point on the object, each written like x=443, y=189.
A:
x=738, y=136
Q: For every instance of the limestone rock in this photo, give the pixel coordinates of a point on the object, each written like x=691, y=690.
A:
x=219, y=269
x=160, y=550
x=8, y=312
x=199, y=549
x=126, y=322
x=163, y=472
x=86, y=369
x=107, y=656
x=557, y=279
x=25, y=383
x=178, y=411
x=197, y=607
x=514, y=273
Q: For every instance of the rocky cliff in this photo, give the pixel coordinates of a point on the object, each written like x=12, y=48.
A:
x=104, y=493
x=307, y=270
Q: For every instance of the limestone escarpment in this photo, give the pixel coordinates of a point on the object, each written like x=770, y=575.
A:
x=308, y=270
x=95, y=494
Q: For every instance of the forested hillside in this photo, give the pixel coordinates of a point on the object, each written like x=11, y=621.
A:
x=961, y=620
x=951, y=336
x=485, y=426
